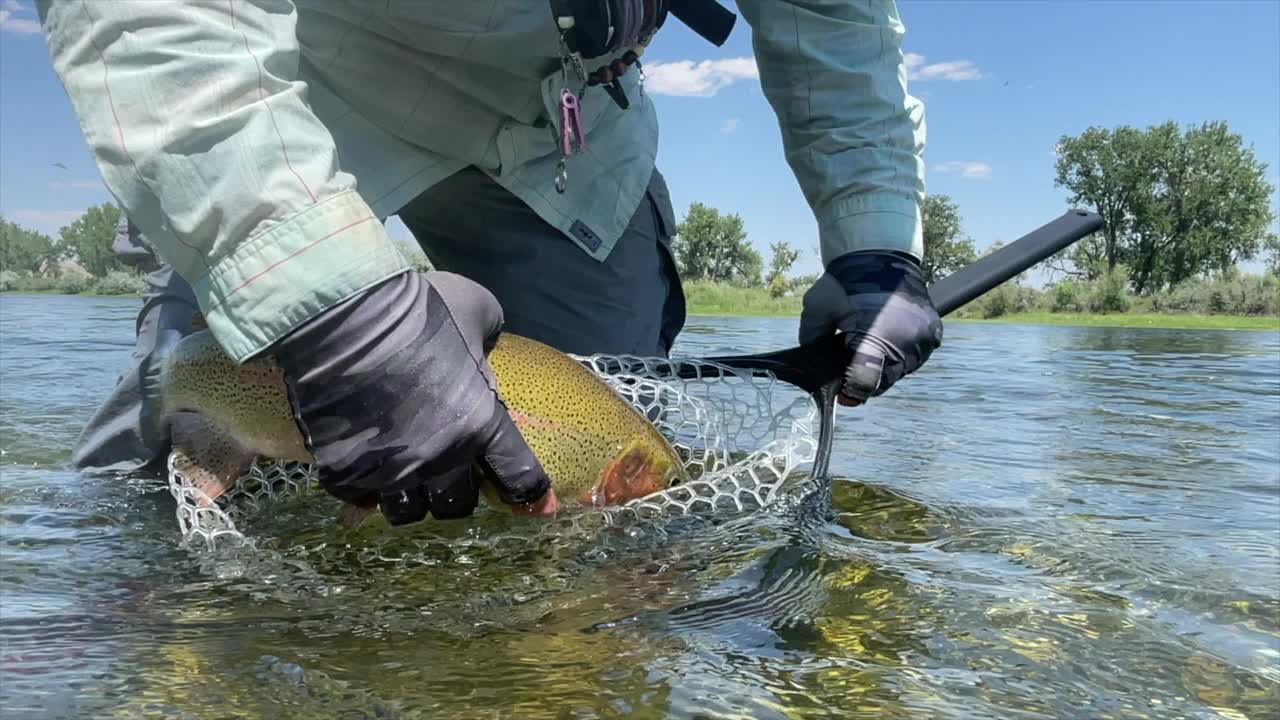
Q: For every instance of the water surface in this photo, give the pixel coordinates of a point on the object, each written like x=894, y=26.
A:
x=1047, y=522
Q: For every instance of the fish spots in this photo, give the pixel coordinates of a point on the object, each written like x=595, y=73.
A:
x=246, y=402
x=210, y=458
x=591, y=442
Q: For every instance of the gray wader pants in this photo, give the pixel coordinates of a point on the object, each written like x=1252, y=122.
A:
x=549, y=289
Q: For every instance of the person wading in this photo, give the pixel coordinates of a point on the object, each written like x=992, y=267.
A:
x=257, y=147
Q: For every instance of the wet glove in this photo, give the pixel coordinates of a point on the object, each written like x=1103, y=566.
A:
x=879, y=300
x=396, y=402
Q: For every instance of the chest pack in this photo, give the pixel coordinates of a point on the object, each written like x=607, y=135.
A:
x=593, y=29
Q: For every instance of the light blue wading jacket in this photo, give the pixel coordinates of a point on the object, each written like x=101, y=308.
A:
x=258, y=143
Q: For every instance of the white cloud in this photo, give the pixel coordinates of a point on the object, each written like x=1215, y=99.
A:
x=917, y=69
x=700, y=79
x=77, y=185
x=966, y=168
x=45, y=221
x=19, y=25
x=729, y=125
x=708, y=77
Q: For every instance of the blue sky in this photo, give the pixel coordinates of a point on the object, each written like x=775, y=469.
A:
x=1001, y=81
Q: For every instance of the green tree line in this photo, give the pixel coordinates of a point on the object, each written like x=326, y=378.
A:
x=713, y=247
x=86, y=240
x=1182, y=209
x=1176, y=204
x=79, y=260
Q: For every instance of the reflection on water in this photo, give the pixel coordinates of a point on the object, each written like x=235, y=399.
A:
x=1048, y=522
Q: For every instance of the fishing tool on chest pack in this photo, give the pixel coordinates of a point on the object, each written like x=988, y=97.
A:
x=592, y=29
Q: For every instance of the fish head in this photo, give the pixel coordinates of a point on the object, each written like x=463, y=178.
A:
x=645, y=466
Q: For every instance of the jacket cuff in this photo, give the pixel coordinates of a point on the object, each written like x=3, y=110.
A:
x=287, y=274
x=873, y=223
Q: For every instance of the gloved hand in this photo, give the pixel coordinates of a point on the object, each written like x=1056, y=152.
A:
x=396, y=401
x=879, y=300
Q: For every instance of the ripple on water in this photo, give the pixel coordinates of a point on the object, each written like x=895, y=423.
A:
x=1047, y=523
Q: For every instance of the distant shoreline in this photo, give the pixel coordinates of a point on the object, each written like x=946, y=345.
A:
x=87, y=293
x=1164, y=321
x=705, y=299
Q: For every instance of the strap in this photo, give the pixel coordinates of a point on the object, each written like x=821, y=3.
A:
x=708, y=18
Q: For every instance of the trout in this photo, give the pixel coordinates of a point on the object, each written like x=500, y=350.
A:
x=596, y=448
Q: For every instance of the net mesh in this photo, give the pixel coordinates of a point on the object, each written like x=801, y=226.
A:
x=743, y=436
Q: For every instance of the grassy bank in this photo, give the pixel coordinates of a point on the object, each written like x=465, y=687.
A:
x=705, y=298
x=1171, y=321
x=1227, y=305
x=116, y=282
x=1237, y=304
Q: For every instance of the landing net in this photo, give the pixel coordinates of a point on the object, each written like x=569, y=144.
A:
x=743, y=436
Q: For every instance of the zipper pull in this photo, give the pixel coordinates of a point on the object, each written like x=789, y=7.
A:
x=570, y=123
x=570, y=134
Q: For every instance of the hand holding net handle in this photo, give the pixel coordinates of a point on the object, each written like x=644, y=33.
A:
x=813, y=365
x=818, y=367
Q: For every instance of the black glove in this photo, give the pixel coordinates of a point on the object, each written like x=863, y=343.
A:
x=396, y=401
x=879, y=300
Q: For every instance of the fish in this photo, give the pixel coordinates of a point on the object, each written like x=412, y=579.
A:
x=596, y=448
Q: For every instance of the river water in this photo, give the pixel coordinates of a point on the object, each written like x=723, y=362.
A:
x=1047, y=522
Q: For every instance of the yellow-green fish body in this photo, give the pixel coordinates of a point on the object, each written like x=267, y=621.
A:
x=595, y=447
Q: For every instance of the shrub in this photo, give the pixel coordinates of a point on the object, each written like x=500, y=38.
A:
x=779, y=286
x=1240, y=295
x=421, y=263
x=997, y=303
x=118, y=282
x=1109, y=293
x=8, y=280
x=1066, y=296
x=74, y=283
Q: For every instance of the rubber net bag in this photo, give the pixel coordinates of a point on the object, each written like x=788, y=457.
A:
x=745, y=438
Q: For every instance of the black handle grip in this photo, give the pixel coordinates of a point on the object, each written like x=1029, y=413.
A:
x=985, y=274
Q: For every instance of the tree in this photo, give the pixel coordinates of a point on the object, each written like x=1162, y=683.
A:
x=1104, y=169
x=711, y=246
x=1273, y=253
x=23, y=250
x=1210, y=210
x=945, y=251
x=90, y=236
x=784, y=256
x=1174, y=205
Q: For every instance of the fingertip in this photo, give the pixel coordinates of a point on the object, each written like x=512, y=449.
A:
x=548, y=505
x=405, y=505
x=509, y=463
x=523, y=487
